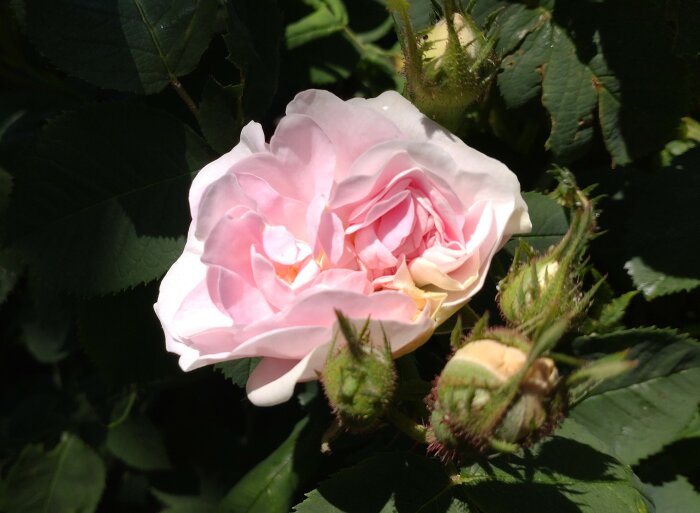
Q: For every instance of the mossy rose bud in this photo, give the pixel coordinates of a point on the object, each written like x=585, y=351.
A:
x=359, y=378
x=487, y=393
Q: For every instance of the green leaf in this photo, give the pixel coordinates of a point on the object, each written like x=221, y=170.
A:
x=68, y=479
x=238, y=371
x=123, y=338
x=254, y=32
x=660, y=233
x=219, y=115
x=46, y=324
x=129, y=45
x=610, y=315
x=386, y=482
x=587, y=58
x=272, y=484
x=636, y=414
x=184, y=503
x=677, y=496
x=549, y=223
x=328, y=17
x=100, y=195
x=558, y=476
x=137, y=442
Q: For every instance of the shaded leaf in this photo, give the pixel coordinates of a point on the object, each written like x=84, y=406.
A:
x=254, y=32
x=636, y=414
x=123, y=338
x=549, y=223
x=128, y=45
x=137, y=442
x=219, y=115
x=558, y=476
x=677, y=496
x=238, y=371
x=585, y=58
x=272, y=484
x=386, y=482
x=68, y=479
x=102, y=191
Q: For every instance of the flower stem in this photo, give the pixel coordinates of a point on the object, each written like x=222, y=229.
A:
x=184, y=96
x=416, y=431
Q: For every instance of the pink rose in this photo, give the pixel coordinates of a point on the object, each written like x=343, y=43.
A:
x=365, y=206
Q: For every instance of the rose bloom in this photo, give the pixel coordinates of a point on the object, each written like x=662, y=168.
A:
x=365, y=206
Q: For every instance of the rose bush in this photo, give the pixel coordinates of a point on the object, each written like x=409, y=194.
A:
x=365, y=206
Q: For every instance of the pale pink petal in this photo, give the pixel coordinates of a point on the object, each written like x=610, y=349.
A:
x=351, y=130
x=252, y=141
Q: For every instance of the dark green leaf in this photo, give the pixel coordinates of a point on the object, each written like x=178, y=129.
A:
x=272, y=485
x=68, y=479
x=219, y=115
x=549, y=223
x=588, y=58
x=128, y=45
x=677, y=496
x=660, y=235
x=328, y=16
x=634, y=415
x=401, y=482
x=238, y=371
x=184, y=503
x=254, y=32
x=137, y=442
x=123, y=337
x=46, y=324
x=559, y=476
x=100, y=195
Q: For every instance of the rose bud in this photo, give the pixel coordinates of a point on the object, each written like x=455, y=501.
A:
x=359, y=378
x=449, y=67
x=489, y=396
x=535, y=293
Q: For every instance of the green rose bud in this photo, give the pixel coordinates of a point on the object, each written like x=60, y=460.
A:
x=359, y=378
x=544, y=288
x=490, y=396
x=448, y=68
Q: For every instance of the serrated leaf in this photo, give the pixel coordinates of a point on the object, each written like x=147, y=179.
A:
x=328, y=17
x=549, y=223
x=137, y=442
x=238, y=371
x=558, y=476
x=637, y=413
x=103, y=191
x=589, y=59
x=678, y=496
x=610, y=314
x=272, y=484
x=660, y=233
x=128, y=45
x=387, y=482
x=219, y=115
x=254, y=32
x=68, y=479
